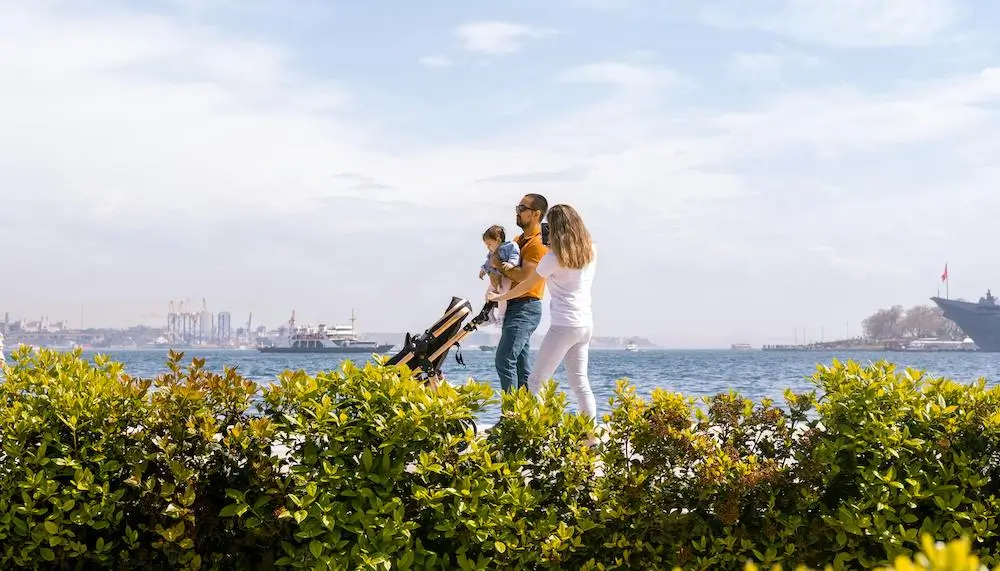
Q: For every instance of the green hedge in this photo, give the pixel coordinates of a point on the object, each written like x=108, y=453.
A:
x=367, y=468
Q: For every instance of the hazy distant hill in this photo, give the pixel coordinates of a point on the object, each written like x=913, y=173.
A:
x=622, y=341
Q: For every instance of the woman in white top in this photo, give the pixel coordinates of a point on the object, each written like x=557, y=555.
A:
x=568, y=269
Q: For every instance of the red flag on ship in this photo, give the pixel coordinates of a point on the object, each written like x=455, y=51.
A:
x=944, y=276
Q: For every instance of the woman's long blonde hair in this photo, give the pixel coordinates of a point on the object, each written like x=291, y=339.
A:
x=569, y=238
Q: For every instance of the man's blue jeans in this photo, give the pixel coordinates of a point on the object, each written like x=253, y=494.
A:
x=513, y=356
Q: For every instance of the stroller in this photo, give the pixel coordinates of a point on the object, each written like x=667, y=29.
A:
x=425, y=353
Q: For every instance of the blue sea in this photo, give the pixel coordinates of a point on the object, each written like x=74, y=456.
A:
x=755, y=374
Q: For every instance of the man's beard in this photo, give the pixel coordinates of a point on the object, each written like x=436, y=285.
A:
x=520, y=224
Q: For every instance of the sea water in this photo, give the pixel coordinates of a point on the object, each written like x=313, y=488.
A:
x=754, y=374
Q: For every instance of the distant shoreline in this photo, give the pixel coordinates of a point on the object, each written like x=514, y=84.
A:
x=655, y=349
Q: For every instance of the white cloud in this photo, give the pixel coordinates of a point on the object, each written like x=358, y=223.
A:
x=147, y=113
x=769, y=66
x=844, y=23
x=436, y=61
x=498, y=38
x=847, y=118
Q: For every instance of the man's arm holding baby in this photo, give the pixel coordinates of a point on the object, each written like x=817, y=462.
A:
x=529, y=258
x=510, y=255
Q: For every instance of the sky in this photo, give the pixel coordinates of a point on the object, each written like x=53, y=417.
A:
x=751, y=172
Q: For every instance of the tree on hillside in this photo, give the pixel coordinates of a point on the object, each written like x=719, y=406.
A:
x=884, y=323
x=918, y=321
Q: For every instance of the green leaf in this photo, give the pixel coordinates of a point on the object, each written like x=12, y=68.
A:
x=316, y=548
x=228, y=510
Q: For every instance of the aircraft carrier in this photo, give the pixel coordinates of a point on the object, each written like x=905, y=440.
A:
x=980, y=321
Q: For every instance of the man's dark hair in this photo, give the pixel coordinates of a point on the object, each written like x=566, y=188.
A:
x=496, y=232
x=539, y=203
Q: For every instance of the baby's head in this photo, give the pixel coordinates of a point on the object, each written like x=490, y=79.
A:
x=493, y=237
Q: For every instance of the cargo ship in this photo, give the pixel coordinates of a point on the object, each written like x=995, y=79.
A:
x=323, y=339
x=980, y=321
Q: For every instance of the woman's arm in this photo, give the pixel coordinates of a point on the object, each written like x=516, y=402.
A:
x=521, y=288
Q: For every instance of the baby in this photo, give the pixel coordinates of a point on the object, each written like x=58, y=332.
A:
x=509, y=256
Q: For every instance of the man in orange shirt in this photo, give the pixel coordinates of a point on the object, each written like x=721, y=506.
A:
x=524, y=313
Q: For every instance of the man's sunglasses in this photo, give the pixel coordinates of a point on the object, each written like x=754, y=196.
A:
x=521, y=208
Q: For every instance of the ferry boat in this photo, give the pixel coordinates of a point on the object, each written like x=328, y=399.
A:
x=323, y=339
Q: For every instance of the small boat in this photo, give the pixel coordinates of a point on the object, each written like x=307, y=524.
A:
x=742, y=347
x=632, y=348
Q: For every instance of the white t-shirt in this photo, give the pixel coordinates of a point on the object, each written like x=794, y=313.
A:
x=569, y=291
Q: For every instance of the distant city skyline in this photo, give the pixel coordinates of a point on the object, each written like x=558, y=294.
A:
x=748, y=169
x=207, y=329
x=158, y=320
